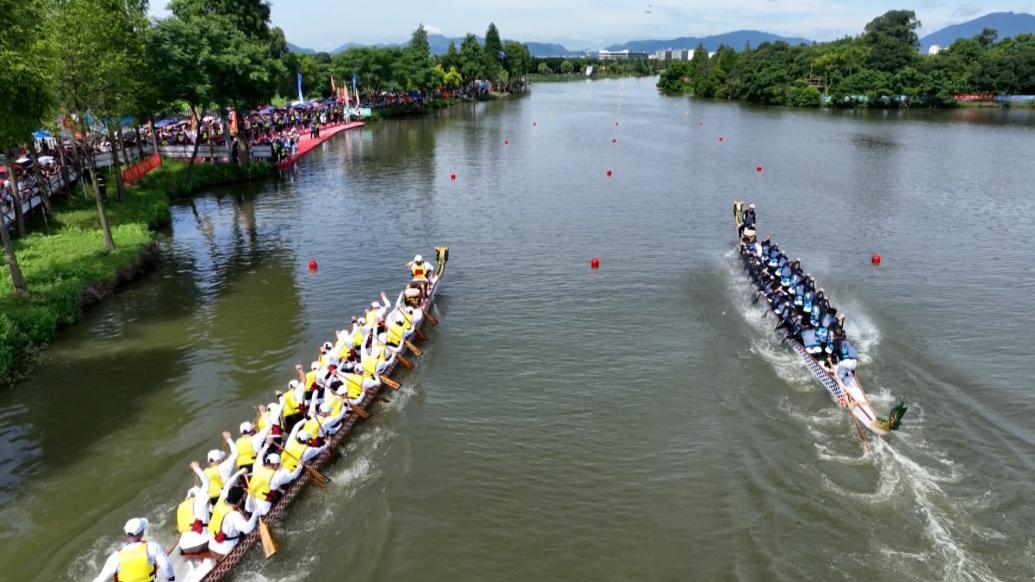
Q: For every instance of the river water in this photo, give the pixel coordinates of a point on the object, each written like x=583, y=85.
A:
x=639, y=422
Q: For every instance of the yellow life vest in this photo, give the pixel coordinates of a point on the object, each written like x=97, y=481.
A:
x=219, y=513
x=372, y=316
x=185, y=515
x=292, y=456
x=245, y=451
x=262, y=423
x=310, y=377
x=419, y=271
x=323, y=360
x=259, y=484
x=354, y=382
x=370, y=363
x=215, y=481
x=291, y=405
x=336, y=402
x=357, y=337
x=312, y=426
x=395, y=334
x=134, y=565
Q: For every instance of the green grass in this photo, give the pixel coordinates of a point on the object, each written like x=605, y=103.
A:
x=65, y=256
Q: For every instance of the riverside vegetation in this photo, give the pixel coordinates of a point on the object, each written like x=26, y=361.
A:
x=880, y=68
x=94, y=63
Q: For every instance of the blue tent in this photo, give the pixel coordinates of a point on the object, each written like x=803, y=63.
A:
x=41, y=134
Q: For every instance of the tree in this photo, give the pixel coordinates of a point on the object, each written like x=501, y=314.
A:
x=452, y=78
x=544, y=69
x=518, y=60
x=492, y=52
x=567, y=67
x=176, y=53
x=25, y=95
x=452, y=57
x=892, y=40
x=100, y=50
x=471, y=59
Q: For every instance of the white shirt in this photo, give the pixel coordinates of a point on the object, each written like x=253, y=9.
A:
x=155, y=555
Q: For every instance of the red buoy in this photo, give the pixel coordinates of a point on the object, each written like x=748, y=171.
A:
x=875, y=260
x=614, y=140
x=506, y=141
x=758, y=168
x=452, y=177
x=721, y=139
x=312, y=264
x=700, y=124
x=595, y=262
x=533, y=124
x=616, y=124
x=609, y=172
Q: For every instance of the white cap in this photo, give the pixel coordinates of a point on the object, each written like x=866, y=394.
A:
x=325, y=408
x=375, y=304
x=247, y=427
x=215, y=455
x=751, y=206
x=361, y=322
x=314, y=366
x=418, y=259
x=327, y=345
x=303, y=435
x=293, y=384
x=273, y=459
x=135, y=526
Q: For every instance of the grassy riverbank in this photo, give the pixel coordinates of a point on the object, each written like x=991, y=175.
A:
x=67, y=268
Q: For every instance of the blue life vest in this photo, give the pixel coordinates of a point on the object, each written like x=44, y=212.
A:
x=798, y=291
x=807, y=302
x=848, y=351
x=814, y=317
x=828, y=319
x=808, y=337
x=821, y=334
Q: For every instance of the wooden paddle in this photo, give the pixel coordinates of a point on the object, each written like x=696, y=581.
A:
x=389, y=382
x=359, y=412
x=431, y=318
x=402, y=360
x=269, y=545
x=420, y=335
x=416, y=351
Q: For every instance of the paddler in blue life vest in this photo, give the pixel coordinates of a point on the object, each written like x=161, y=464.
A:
x=747, y=220
x=846, y=357
x=136, y=560
x=228, y=524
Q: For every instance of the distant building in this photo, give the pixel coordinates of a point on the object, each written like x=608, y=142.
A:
x=674, y=55
x=935, y=49
x=623, y=55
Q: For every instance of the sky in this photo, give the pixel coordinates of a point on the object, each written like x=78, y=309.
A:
x=593, y=24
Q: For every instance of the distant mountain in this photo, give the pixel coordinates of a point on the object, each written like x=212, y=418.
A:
x=294, y=48
x=545, y=49
x=1007, y=24
x=736, y=39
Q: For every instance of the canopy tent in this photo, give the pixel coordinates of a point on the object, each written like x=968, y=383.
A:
x=169, y=121
x=41, y=134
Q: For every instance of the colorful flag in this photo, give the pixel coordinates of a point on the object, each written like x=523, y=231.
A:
x=300, y=87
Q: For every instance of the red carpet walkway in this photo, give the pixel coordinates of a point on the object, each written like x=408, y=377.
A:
x=306, y=143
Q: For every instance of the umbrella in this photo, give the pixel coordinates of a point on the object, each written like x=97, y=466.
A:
x=41, y=134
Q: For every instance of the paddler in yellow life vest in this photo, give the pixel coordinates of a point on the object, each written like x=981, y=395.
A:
x=264, y=486
x=220, y=467
x=298, y=451
x=376, y=312
x=136, y=560
x=228, y=525
x=291, y=402
x=250, y=442
x=420, y=271
x=192, y=515
x=356, y=385
x=372, y=356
